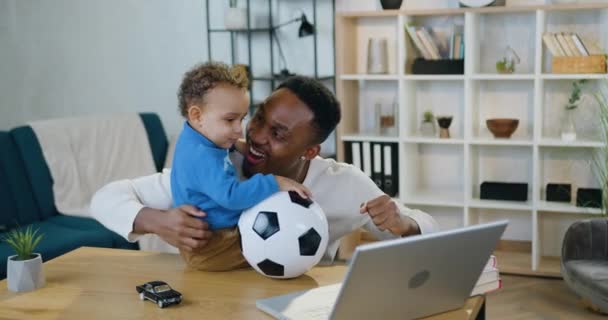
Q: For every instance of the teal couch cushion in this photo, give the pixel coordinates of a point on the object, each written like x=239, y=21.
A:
x=157, y=138
x=91, y=225
x=37, y=170
x=57, y=240
x=8, y=211
x=17, y=204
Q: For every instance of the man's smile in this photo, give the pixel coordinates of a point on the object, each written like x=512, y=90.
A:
x=255, y=156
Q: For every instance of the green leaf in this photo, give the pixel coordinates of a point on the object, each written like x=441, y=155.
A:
x=600, y=157
x=23, y=241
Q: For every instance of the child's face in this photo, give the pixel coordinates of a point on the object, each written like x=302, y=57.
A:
x=220, y=118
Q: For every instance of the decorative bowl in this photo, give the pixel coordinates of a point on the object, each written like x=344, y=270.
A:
x=502, y=127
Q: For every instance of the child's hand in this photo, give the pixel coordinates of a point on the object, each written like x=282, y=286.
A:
x=241, y=146
x=286, y=184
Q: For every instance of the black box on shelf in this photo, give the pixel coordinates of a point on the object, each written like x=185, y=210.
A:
x=504, y=191
x=559, y=192
x=589, y=198
x=443, y=66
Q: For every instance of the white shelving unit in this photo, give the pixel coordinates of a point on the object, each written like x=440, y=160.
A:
x=442, y=176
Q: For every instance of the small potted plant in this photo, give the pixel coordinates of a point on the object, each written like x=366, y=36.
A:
x=568, y=129
x=235, y=18
x=427, y=127
x=507, y=63
x=24, y=270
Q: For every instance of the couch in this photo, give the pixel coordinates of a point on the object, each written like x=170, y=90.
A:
x=26, y=196
x=584, y=261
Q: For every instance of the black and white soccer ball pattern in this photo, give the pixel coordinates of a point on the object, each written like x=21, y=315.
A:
x=283, y=236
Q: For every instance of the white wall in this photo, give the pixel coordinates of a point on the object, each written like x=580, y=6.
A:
x=73, y=57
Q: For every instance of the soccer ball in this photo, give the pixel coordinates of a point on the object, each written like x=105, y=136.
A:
x=284, y=235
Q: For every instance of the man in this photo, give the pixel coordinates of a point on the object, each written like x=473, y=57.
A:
x=283, y=138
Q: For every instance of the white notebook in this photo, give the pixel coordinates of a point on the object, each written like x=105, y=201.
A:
x=312, y=304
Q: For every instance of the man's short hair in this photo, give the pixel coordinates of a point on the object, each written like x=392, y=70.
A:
x=320, y=100
x=203, y=77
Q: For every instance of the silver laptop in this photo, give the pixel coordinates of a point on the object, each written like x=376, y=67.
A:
x=399, y=279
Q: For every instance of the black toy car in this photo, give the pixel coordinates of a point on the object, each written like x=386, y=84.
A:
x=159, y=292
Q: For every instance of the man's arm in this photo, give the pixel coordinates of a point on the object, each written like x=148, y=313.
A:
x=135, y=207
x=387, y=217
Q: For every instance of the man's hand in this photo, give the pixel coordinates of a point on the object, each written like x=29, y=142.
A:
x=385, y=214
x=180, y=226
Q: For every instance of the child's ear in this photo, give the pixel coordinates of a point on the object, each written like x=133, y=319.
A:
x=194, y=113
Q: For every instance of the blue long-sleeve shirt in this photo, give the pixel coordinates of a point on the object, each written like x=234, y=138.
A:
x=203, y=176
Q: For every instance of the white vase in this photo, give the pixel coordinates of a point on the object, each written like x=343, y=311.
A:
x=427, y=129
x=25, y=275
x=568, y=129
x=377, y=56
x=235, y=19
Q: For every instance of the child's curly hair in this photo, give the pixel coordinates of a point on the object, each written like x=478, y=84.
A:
x=204, y=77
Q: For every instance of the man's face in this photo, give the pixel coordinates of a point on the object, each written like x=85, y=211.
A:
x=279, y=133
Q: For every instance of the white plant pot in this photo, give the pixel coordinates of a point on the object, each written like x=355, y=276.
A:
x=235, y=19
x=25, y=275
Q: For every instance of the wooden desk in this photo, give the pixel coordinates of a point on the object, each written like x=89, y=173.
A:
x=95, y=283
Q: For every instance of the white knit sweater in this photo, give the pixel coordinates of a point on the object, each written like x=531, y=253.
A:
x=338, y=188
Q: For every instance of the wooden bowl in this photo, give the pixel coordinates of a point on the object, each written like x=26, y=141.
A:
x=502, y=127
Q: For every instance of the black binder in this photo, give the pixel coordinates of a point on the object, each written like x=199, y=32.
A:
x=351, y=147
x=377, y=165
x=390, y=159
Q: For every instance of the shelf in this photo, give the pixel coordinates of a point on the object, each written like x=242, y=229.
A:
x=484, y=10
x=500, y=142
x=550, y=206
x=428, y=140
x=380, y=77
x=565, y=76
x=502, y=205
x=574, y=144
x=363, y=14
x=436, y=198
x=535, y=154
x=433, y=77
x=241, y=30
x=490, y=76
x=371, y=138
x=280, y=78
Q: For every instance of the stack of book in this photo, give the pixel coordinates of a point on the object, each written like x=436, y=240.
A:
x=438, y=43
x=567, y=44
x=489, y=280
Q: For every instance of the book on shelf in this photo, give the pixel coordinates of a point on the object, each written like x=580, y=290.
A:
x=552, y=44
x=564, y=44
x=428, y=43
x=411, y=31
x=571, y=45
x=457, y=42
x=437, y=43
x=579, y=45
